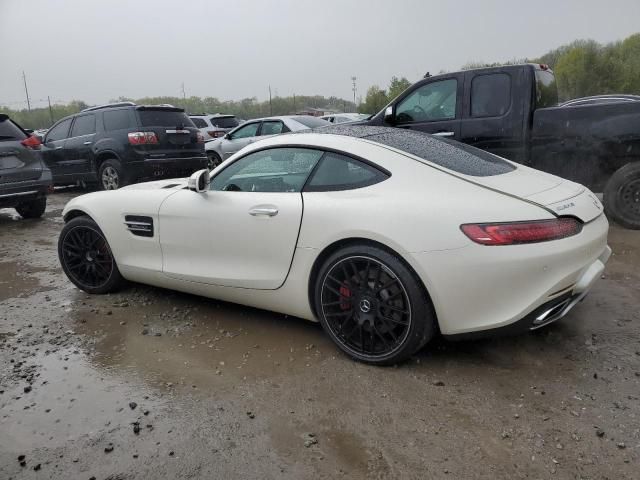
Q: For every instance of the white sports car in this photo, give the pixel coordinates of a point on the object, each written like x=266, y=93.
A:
x=383, y=235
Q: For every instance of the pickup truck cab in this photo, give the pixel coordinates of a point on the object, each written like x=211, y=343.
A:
x=513, y=111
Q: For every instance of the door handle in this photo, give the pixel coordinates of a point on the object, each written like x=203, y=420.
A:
x=87, y=143
x=444, y=134
x=263, y=211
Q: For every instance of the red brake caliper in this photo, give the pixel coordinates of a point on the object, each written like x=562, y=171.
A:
x=346, y=293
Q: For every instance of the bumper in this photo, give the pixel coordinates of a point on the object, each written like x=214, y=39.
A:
x=514, y=288
x=14, y=194
x=165, y=167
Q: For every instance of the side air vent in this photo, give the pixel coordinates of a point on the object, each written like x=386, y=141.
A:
x=138, y=225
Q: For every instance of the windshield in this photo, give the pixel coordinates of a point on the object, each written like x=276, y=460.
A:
x=9, y=130
x=224, y=122
x=311, y=122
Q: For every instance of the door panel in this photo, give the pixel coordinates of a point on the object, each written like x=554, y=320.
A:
x=433, y=107
x=234, y=239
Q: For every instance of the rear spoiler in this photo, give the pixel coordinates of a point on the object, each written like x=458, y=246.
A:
x=168, y=108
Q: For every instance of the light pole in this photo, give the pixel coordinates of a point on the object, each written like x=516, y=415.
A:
x=353, y=79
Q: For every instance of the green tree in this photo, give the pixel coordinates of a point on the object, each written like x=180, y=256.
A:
x=375, y=100
x=397, y=86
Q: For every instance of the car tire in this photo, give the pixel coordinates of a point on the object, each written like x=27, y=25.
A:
x=622, y=196
x=213, y=160
x=381, y=321
x=110, y=175
x=32, y=209
x=86, y=257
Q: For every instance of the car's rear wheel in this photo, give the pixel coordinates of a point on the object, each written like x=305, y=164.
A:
x=32, y=209
x=372, y=305
x=213, y=160
x=111, y=175
x=622, y=196
x=86, y=257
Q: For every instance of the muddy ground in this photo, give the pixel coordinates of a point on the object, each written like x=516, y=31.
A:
x=150, y=383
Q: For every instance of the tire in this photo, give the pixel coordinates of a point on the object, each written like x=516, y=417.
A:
x=213, y=160
x=86, y=258
x=110, y=175
x=33, y=209
x=622, y=196
x=380, y=322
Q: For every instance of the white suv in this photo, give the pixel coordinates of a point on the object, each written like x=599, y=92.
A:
x=214, y=126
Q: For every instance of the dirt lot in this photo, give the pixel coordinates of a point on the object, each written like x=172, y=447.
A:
x=150, y=383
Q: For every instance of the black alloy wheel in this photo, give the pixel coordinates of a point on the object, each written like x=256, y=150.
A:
x=372, y=308
x=86, y=257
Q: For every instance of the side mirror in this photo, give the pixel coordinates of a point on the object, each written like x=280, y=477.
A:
x=389, y=116
x=199, y=181
x=227, y=136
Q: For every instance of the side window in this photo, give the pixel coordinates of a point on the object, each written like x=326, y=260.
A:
x=490, y=95
x=272, y=170
x=271, y=128
x=83, y=125
x=246, y=131
x=59, y=132
x=199, y=122
x=433, y=101
x=116, y=120
x=339, y=172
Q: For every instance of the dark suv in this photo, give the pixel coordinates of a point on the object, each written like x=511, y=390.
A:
x=122, y=143
x=24, y=180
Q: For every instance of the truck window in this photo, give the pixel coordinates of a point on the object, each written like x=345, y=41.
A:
x=490, y=95
x=430, y=102
x=546, y=89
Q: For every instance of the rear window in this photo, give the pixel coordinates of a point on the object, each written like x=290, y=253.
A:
x=311, y=122
x=164, y=118
x=546, y=89
x=10, y=131
x=199, y=122
x=225, y=122
x=449, y=154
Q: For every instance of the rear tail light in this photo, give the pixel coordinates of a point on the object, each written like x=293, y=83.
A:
x=32, y=142
x=521, y=232
x=216, y=133
x=143, y=138
x=200, y=137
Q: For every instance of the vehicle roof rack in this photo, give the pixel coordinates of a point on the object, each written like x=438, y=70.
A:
x=110, y=105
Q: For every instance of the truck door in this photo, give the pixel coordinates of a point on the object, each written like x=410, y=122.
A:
x=433, y=106
x=494, y=112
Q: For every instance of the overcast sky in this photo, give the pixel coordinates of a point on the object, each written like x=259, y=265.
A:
x=232, y=49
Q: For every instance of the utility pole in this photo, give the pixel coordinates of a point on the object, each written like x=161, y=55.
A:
x=24, y=78
x=294, y=103
x=270, y=106
x=184, y=95
x=353, y=79
x=50, y=109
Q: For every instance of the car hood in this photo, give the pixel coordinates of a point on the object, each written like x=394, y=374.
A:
x=563, y=197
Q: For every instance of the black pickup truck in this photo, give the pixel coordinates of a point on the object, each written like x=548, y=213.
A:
x=513, y=111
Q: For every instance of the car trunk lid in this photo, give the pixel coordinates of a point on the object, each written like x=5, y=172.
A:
x=177, y=135
x=17, y=162
x=562, y=197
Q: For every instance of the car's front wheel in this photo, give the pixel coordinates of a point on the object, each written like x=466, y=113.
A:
x=86, y=257
x=372, y=305
x=32, y=209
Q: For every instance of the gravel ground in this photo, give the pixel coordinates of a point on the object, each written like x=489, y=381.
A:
x=150, y=383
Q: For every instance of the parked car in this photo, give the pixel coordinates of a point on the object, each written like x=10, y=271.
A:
x=345, y=117
x=513, y=111
x=122, y=143
x=600, y=99
x=403, y=235
x=214, y=126
x=252, y=130
x=24, y=179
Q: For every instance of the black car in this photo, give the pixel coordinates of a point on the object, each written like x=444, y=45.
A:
x=513, y=111
x=24, y=180
x=118, y=144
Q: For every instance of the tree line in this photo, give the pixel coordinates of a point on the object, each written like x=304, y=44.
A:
x=582, y=68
